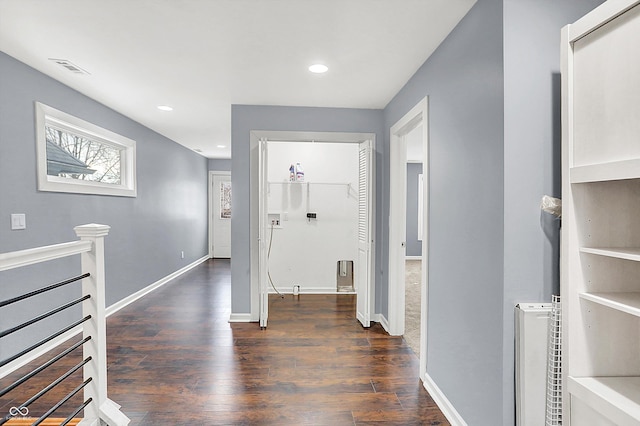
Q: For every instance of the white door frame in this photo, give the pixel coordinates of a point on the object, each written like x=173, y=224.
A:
x=263, y=257
x=254, y=231
x=213, y=173
x=417, y=116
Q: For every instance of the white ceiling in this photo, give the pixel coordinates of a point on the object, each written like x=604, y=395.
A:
x=202, y=56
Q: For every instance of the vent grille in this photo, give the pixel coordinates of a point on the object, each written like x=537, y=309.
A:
x=69, y=66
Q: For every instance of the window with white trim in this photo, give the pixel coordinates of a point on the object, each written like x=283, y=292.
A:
x=79, y=157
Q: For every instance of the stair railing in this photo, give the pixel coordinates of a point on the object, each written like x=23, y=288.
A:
x=98, y=408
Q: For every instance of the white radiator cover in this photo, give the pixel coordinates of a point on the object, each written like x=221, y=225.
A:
x=531, y=329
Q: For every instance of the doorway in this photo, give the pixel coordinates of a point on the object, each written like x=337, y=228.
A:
x=413, y=247
x=220, y=214
x=266, y=216
x=415, y=120
x=312, y=218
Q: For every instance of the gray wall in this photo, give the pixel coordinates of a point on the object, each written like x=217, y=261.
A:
x=464, y=82
x=532, y=157
x=148, y=232
x=245, y=118
x=414, y=246
x=220, y=164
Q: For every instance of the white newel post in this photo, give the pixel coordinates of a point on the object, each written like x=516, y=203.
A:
x=102, y=410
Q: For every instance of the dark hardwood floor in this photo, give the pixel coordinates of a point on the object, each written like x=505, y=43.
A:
x=174, y=359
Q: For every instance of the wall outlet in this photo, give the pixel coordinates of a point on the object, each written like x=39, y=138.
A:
x=274, y=220
x=182, y=254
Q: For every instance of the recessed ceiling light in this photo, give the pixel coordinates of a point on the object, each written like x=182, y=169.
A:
x=165, y=108
x=318, y=68
x=221, y=146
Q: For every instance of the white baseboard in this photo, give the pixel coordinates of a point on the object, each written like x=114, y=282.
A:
x=148, y=289
x=384, y=322
x=21, y=362
x=311, y=290
x=240, y=318
x=442, y=402
x=413, y=257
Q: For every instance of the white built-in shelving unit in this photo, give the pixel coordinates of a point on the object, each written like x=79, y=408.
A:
x=601, y=216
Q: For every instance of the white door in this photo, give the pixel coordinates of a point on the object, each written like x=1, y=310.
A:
x=262, y=232
x=363, y=274
x=221, y=215
x=397, y=234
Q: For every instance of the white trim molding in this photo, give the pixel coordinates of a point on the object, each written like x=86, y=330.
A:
x=27, y=257
x=36, y=353
x=310, y=290
x=416, y=117
x=384, y=322
x=148, y=289
x=442, y=402
x=240, y=318
x=257, y=137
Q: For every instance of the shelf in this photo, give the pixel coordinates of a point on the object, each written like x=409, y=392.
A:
x=624, y=302
x=618, y=253
x=348, y=185
x=309, y=183
x=616, y=398
x=615, y=170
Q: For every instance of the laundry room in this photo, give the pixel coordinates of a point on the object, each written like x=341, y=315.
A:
x=312, y=221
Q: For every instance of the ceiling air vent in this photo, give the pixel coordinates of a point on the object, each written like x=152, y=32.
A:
x=69, y=66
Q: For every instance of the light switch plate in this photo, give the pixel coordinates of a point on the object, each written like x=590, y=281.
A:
x=18, y=221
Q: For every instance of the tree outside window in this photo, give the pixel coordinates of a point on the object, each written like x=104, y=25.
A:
x=95, y=161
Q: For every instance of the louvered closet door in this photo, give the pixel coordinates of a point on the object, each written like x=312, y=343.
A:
x=363, y=273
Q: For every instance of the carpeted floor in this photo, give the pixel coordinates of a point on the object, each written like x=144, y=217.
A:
x=413, y=273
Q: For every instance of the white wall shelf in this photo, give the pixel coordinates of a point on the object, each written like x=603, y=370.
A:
x=624, y=302
x=348, y=185
x=309, y=183
x=616, y=252
x=615, y=170
x=617, y=398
